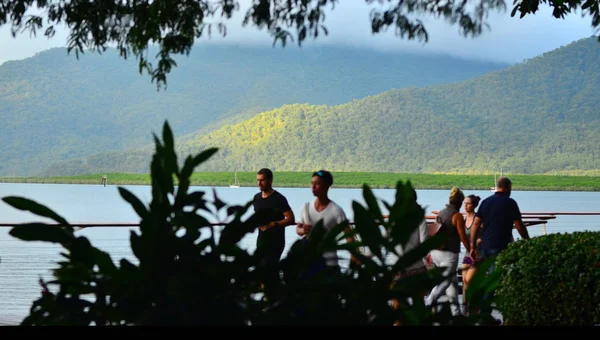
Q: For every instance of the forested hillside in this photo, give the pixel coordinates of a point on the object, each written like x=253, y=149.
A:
x=55, y=107
x=536, y=117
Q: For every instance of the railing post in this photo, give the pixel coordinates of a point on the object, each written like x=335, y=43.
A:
x=544, y=229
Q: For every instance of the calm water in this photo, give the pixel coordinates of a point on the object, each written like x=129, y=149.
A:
x=22, y=263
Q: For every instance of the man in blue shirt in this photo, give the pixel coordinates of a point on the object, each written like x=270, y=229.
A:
x=498, y=213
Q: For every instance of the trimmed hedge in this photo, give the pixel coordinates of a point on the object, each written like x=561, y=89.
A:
x=551, y=280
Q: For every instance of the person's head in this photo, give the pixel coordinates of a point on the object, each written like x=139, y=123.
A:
x=321, y=182
x=504, y=185
x=456, y=197
x=471, y=202
x=264, y=179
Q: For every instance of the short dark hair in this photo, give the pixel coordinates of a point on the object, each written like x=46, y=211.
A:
x=325, y=175
x=267, y=172
x=504, y=183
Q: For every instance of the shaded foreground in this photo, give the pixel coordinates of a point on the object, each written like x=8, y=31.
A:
x=191, y=272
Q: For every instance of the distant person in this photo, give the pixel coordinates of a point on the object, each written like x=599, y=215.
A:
x=418, y=236
x=104, y=180
x=453, y=225
x=498, y=213
x=322, y=209
x=274, y=214
x=469, y=264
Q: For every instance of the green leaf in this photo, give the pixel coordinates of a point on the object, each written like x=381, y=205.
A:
x=190, y=220
x=34, y=207
x=372, y=204
x=191, y=234
x=369, y=266
x=235, y=251
x=83, y=252
x=217, y=202
x=162, y=177
x=42, y=232
x=138, y=247
x=368, y=230
x=337, y=233
x=183, y=187
x=350, y=246
x=168, y=137
x=170, y=157
x=203, y=244
x=415, y=254
x=234, y=232
x=514, y=10
x=105, y=263
x=195, y=199
x=137, y=205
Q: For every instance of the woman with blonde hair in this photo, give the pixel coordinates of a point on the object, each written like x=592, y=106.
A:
x=453, y=225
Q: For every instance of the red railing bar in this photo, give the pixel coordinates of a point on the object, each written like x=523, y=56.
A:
x=545, y=213
x=561, y=213
x=86, y=225
x=538, y=218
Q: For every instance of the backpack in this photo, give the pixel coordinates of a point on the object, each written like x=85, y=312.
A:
x=436, y=228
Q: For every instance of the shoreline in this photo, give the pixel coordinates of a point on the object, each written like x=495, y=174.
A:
x=349, y=180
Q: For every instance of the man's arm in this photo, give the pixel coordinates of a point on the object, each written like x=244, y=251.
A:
x=518, y=221
x=521, y=229
x=289, y=219
x=302, y=228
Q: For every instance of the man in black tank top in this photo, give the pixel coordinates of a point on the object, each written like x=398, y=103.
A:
x=273, y=215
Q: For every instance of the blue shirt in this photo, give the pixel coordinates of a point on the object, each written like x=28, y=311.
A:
x=498, y=214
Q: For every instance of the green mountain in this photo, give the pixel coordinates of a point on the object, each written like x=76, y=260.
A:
x=56, y=108
x=540, y=116
x=536, y=117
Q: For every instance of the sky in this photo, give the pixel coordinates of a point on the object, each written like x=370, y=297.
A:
x=510, y=39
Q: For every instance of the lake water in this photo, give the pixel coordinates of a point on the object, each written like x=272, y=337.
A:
x=22, y=263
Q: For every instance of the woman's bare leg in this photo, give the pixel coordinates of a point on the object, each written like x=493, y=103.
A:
x=467, y=276
x=465, y=282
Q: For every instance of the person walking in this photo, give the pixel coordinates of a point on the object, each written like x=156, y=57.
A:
x=273, y=214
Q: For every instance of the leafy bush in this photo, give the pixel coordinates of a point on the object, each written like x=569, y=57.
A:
x=551, y=280
x=191, y=271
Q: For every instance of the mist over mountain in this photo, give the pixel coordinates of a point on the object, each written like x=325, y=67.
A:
x=57, y=108
x=539, y=116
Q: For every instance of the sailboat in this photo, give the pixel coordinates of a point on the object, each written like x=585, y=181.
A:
x=495, y=187
x=236, y=183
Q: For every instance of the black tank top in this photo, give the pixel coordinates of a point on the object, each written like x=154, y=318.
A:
x=453, y=241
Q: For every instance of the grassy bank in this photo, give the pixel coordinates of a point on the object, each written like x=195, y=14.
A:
x=345, y=180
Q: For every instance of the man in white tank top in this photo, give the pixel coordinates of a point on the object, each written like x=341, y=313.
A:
x=322, y=208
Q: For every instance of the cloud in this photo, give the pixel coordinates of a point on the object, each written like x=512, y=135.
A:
x=510, y=39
